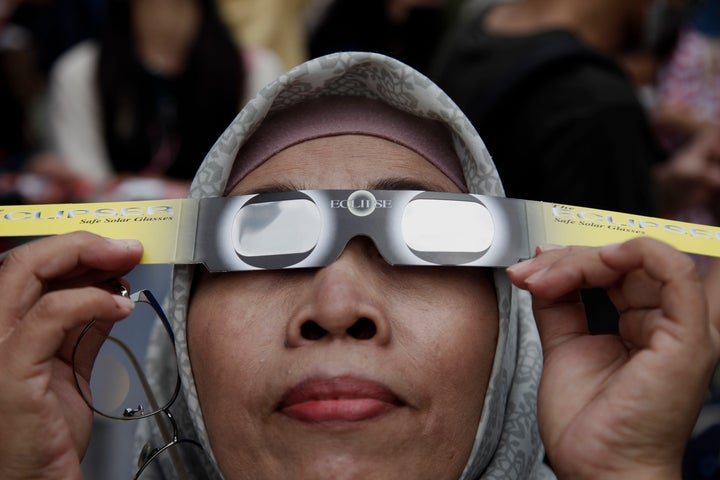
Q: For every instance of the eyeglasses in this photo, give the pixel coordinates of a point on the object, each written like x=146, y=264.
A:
x=117, y=373
x=310, y=228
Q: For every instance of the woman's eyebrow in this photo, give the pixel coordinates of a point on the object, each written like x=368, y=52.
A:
x=392, y=183
x=275, y=187
x=400, y=183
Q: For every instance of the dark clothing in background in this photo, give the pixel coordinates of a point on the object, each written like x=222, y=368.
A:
x=58, y=25
x=562, y=123
x=571, y=131
x=363, y=25
x=13, y=137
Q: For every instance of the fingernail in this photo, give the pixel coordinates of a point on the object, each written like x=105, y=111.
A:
x=548, y=247
x=128, y=244
x=124, y=303
x=520, y=267
x=611, y=248
x=535, y=276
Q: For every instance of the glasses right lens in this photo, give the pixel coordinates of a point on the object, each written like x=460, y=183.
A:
x=447, y=226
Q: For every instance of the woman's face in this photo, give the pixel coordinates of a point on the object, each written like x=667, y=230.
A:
x=355, y=370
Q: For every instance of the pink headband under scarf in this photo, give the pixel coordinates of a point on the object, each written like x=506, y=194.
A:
x=334, y=115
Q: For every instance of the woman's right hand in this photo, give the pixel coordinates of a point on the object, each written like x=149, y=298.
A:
x=49, y=289
x=620, y=406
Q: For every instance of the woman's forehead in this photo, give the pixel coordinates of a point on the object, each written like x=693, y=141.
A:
x=345, y=162
x=329, y=116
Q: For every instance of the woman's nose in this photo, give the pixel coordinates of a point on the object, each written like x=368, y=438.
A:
x=344, y=301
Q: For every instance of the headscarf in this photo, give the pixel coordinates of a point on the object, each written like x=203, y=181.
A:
x=507, y=444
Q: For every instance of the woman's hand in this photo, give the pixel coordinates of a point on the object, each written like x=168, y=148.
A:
x=49, y=289
x=620, y=406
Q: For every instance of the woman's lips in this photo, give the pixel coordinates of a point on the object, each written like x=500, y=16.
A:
x=337, y=399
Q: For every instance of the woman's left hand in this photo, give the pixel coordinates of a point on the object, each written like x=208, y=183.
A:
x=620, y=406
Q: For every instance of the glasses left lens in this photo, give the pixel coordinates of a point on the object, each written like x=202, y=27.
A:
x=119, y=387
x=282, y=232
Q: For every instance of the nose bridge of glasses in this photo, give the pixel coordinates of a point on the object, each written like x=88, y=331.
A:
x=370, y=234
x=361, y=247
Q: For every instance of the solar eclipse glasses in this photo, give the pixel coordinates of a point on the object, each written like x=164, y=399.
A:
x=310, y=228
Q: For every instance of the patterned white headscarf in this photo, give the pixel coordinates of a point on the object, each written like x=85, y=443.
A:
x=507, y=445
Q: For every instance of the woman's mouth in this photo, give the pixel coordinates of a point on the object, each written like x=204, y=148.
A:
x=338, y=399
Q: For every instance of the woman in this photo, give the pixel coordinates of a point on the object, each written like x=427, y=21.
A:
x=360, y=369
x=149, y=98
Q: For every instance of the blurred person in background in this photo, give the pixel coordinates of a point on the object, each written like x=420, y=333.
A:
x=14, y=134
x=58, y=25
x=687, y=117
x=678, y=77
x=689, y=82
x=642, y=63
x=134, y=113
x=408, y=30
x=540, y=81
x=22, y=94
x=687, y=120
x=15, y=129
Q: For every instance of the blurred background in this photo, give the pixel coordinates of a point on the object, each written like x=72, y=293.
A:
x=108, y=100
